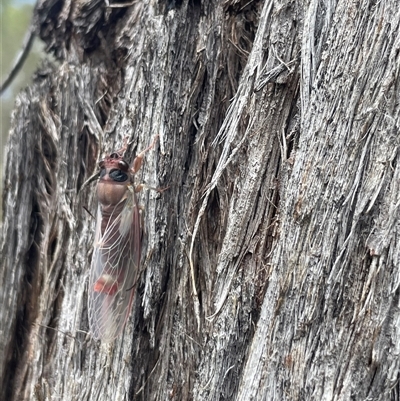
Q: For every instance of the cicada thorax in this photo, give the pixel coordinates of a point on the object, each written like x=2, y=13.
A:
x=114, y=180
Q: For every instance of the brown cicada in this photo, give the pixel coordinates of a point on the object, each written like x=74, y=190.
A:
x=116, y=257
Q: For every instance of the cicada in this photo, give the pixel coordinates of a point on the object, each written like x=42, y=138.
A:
x=116, y=257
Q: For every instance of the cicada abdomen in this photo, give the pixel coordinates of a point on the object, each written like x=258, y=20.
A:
x=116, y=256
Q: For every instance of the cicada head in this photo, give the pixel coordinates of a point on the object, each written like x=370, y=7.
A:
x=115, y=176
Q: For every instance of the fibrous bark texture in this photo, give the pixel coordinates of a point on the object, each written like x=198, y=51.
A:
x=270, y=267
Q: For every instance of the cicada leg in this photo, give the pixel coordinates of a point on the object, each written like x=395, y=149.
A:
x=137, y=163
x=142, y=186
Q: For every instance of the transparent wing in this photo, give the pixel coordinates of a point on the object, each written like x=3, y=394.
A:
x=115, y=268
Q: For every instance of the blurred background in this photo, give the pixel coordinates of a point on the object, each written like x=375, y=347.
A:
x=15, y=18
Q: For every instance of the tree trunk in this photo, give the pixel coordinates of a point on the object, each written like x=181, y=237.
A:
x=271, y=262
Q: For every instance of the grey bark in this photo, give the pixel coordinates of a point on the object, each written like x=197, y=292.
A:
x=271, y=263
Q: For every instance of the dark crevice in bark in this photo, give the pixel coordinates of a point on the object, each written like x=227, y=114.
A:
x=15, y=372
x=65, y=29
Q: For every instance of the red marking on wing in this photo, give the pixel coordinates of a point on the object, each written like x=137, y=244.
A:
x=105, y=285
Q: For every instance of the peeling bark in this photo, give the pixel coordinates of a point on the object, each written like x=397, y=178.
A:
x=270, y=264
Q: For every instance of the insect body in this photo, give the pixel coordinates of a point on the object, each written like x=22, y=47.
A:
x=116, y=257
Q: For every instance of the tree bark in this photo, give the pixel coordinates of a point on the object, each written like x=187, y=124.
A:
x=270, y=263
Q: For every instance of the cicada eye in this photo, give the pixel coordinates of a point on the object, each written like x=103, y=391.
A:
x=101, y=163
x=124, y=165
x=102, y=172
x=118, y=175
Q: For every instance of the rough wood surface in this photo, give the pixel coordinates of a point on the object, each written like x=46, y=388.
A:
x=271, y=263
